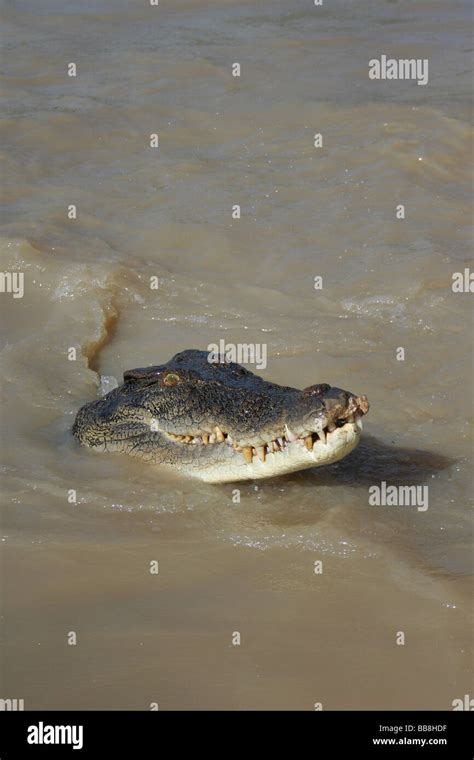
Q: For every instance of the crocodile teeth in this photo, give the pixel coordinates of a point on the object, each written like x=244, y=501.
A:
x=247, y=452
x=272, y=446
x=219, y=434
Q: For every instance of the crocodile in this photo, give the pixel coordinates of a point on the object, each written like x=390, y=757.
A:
x=219, y=422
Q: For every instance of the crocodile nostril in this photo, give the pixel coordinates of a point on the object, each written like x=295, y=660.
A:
x=363, y=404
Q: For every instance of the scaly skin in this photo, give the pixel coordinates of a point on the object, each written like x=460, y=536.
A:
x=220, y=422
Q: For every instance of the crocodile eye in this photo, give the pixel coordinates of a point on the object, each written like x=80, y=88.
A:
x=171, y=379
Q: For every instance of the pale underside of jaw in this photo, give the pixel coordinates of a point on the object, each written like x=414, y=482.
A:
x=290, y=455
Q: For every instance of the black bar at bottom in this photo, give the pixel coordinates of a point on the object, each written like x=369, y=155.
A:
x=139, y=734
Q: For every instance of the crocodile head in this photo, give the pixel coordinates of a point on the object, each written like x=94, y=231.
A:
x=221, y=423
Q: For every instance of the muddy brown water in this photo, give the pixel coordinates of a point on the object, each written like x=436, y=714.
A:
x=227, y=568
